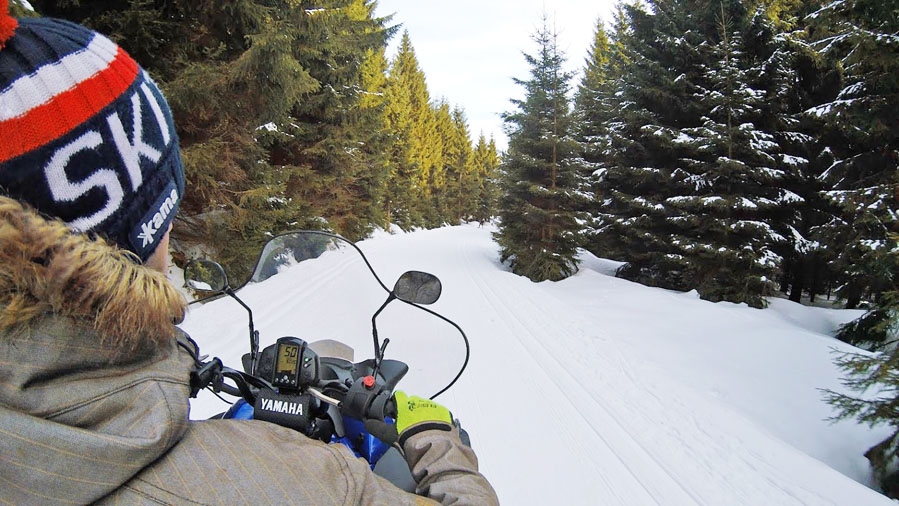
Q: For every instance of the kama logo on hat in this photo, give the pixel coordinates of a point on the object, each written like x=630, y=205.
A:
x=151, y=226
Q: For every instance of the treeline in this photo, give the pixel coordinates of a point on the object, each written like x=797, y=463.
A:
x=738, y=147
x=290, y=116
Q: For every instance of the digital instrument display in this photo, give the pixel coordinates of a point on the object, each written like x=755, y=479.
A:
x=288, y=357
x=293, y=365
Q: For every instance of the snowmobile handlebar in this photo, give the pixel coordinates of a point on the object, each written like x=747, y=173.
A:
x=287, y=383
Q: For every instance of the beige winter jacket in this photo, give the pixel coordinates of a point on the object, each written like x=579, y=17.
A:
x=94, y=399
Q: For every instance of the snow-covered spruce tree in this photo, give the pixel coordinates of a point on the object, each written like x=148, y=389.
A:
x=633, y=177
x=731, y=178
x=686, y=182
x=538, y=229
x=864, y=135
x=795, y=77
x=590, y=109
x=593, y=113
x=865, y=139
x=700, y=185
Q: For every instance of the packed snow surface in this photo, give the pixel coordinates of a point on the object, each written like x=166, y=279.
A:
x=592, y=390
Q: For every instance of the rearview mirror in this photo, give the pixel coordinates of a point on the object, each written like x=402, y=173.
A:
x=418, y=288
x=205, y=275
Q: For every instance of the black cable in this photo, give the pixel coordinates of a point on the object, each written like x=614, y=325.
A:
x=192, y=353
x=464, y=337
x=226, y=401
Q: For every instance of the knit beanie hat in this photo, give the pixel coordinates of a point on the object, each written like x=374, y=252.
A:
x=85, y=134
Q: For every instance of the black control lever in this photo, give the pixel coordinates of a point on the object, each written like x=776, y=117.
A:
x=201, y=377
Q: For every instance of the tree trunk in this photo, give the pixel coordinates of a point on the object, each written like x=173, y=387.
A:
x=816, y=286
x=785, y=277
x=796, y=289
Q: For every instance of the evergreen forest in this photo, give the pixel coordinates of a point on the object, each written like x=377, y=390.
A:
x=734, y=147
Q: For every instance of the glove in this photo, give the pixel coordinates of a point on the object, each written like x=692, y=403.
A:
x=413, y=415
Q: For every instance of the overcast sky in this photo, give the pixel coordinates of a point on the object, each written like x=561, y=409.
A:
x=470, y=50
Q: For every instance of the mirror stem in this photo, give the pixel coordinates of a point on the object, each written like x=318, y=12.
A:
x=254, y=336
x=374, y=326
x=381, y=359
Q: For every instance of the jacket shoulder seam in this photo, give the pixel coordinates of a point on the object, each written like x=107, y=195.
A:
x=124, y=387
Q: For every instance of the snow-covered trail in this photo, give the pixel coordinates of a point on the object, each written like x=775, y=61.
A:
x=561, y=408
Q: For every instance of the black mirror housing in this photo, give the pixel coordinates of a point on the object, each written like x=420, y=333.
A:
x=418, y=288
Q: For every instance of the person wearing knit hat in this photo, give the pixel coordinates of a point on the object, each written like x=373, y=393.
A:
x=94, y=375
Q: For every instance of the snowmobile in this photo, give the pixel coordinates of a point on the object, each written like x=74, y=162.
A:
x=315, y=387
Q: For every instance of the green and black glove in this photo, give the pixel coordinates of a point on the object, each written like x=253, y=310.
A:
x=413, y=415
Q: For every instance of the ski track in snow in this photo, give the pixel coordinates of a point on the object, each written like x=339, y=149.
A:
x=560, y=412
x=631, y=450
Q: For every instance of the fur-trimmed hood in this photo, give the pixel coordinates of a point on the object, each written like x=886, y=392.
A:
x=46, y=268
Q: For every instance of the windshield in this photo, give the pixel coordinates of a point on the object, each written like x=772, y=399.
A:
x=287, y=250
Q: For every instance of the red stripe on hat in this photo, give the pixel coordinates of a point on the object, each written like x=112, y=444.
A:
x=66, y=111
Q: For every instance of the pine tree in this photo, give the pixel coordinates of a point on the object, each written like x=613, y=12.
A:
x=18, y=10
x=795, y=77
x=654, y=97
x=538, y=218
x=326, y=131
x=486, y=161
x=863, y=174
x=266, y=98
x=591, y=107
x=415, y=149
x=704, y=162
x=594, y=113
x=731, y=178
x=465, y=174
x=865, y=142
x=373, y=86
